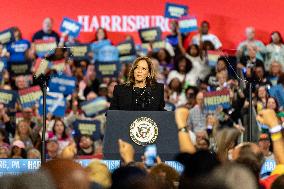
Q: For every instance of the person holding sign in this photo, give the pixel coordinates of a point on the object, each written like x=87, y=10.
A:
x=141, y=92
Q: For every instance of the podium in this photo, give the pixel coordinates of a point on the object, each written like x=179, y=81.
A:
x=134, y=126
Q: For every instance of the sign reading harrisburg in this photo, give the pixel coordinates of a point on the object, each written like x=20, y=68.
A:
x=123, y=23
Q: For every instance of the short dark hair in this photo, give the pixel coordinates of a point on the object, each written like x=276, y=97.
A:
x=205, y=22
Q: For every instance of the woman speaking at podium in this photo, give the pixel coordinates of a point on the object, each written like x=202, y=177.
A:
x=141, y=92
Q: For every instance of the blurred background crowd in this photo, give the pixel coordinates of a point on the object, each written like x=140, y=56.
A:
x=188, y=70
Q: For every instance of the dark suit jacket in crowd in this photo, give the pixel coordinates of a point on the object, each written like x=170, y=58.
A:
x=122, y=98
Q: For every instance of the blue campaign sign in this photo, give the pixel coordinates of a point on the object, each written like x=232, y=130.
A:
x=87, y=127
x=19, y=68
x=94, y=107
x=187, y=24
x=107, y=69
x=62, y=84
x=126, y=48
x=169, y=106
x=150, y=34
x=175, y=11
x=79, y=52
x=7, y=36
x=268, y=166
x=127, y=51
x=277, y=91
x=70, y=26
x=176, y=165
x=8, y=97
x=96, y=46
x=18, y=166
x=54, y=105
x=108, y=53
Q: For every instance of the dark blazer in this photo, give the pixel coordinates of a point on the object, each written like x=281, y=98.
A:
x=122, y=98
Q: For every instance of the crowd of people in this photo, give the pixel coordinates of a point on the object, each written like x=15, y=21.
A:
x=188, y=75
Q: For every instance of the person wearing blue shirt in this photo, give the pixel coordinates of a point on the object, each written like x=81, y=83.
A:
x=18, y=48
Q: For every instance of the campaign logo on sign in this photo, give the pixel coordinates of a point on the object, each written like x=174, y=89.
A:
x=19, y=68
x=108, y=53
x=268, y=166
x=70, y=26
x=214, y=99
x=150, y=34
x=175, y=11
x=107, y=69
x=8, y=97
x=62, y=84
x=45, y=47
x=157, y=45
x=7, y=36
x=126, y=48
x=176, y=165
x=29, y=96
x=96, y=46
x=94, y=107
x=169, y=106
x=54, y=105
x=187, y=24
x=79, y=52
x=127, y=51
x=87, y=127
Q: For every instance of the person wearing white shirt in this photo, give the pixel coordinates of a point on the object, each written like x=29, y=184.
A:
x=206, y=36
x=243, y=48
x=182, y=67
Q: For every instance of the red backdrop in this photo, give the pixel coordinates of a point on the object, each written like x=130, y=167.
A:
x=228, y=18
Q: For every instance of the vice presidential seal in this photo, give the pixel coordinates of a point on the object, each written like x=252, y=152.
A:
x=143, y=131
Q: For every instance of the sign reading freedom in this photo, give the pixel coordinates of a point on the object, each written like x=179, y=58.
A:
x=29, y=96
x=212, y=100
